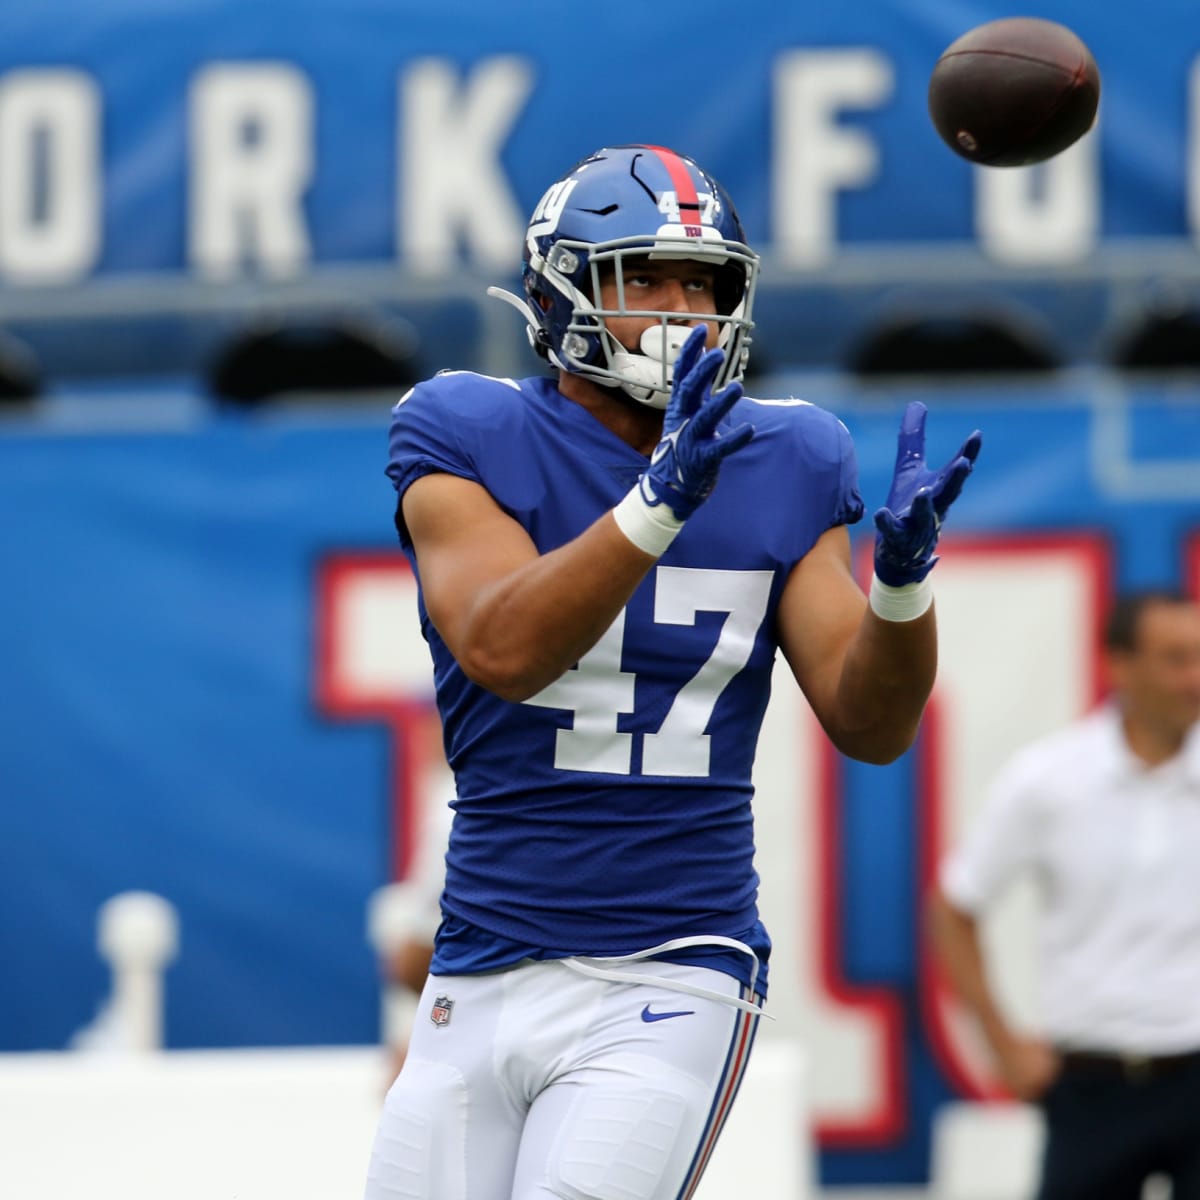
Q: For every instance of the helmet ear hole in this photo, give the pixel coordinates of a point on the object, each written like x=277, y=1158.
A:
x=541, y=301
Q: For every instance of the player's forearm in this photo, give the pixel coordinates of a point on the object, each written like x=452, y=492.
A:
x=887, y=676
x=527, y=628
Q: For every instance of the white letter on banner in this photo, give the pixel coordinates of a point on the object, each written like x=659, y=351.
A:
x=451, y=185
x=814, y=156
x=251, y=131
x=49, y=175
x=1048, y=213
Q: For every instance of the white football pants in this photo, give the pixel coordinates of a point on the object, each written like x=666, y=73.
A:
x=539, y=1082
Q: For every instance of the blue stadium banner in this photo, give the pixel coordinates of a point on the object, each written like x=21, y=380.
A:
x=211, y=683
x=212, y=688
x=417, y=135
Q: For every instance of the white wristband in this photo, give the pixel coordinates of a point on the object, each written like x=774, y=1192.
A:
x=651, y=528
x=905, y=603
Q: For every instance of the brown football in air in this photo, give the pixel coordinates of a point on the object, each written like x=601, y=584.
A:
x=1014, y=92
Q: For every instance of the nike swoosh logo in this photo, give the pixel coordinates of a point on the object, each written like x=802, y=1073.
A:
x=667, y=443
x=647, y=1015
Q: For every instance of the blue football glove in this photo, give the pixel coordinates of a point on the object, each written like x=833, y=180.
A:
x=907, y=527
x=683, y=468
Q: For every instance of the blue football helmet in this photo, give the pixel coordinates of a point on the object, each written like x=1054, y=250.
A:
x=621, y=203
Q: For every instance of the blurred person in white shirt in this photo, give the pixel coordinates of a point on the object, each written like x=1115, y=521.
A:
x=1105, y=816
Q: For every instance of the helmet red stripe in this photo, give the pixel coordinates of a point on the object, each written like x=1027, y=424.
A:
x=681, y=180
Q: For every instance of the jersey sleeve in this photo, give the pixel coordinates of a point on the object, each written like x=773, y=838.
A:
x=1000, y=844
x=848, y=503
x=821, y=470
x=796, y=479
x=423, y=439
x=465, y=424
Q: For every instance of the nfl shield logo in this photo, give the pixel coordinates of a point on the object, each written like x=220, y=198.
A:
x=440, y=1013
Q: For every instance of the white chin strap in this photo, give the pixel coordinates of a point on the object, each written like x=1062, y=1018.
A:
x=647, y=376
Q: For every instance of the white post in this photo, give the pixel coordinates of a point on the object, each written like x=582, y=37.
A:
x=138, y=934
x=390, y=916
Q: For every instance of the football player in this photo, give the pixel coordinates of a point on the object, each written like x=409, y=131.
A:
x=609, y=559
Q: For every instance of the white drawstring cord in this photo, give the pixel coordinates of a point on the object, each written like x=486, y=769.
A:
x=606, y=968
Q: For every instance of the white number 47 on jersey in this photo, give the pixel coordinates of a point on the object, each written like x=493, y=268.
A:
x=597, y=691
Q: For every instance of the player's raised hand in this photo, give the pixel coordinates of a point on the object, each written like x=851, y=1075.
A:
x=683, y=468
x=907, y=527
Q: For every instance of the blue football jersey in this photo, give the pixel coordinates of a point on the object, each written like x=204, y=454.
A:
x=612, y=811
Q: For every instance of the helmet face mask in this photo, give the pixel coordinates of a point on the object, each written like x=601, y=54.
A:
x=607, y=217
